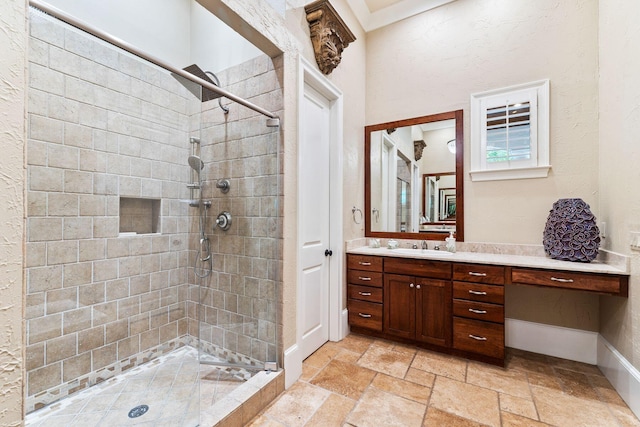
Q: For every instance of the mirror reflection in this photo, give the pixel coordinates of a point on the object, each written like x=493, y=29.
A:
x=414, y=177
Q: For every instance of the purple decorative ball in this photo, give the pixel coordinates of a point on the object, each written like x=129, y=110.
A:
x=571, y=233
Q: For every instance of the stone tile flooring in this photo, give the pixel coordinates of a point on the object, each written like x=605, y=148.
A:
x=363, y=382
x=168, y=385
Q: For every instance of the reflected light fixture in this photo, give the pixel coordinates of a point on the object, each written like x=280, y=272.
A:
x=451, y=145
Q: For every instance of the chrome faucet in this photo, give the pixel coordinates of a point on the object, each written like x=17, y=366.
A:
x=424, y=245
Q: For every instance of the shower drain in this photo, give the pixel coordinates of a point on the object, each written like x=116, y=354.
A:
x=138, y=411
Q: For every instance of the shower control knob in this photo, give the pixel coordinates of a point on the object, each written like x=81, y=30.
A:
x=224, y=185
x=224, y=221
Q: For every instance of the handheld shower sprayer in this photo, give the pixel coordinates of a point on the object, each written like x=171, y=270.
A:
x=196, y=163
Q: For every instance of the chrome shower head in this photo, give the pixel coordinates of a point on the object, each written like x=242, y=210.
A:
x=203, y=94
x=196, y=163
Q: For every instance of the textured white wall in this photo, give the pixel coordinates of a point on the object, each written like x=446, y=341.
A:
x=12, y=125
x=434, y=61
x=619, y=160
x=350, y=78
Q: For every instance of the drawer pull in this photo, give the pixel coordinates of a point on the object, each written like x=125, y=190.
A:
x=478, y=311
x=477, y=292
x=473, y=273
x=477, y=338
x=366, y=316
x=365, y=294
x=364, y=263
x=364, y=279
x=557, y=279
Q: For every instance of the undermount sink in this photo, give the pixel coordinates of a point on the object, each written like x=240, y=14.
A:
x=421, y=252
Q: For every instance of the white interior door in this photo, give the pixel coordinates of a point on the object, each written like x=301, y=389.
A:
x=314, y=221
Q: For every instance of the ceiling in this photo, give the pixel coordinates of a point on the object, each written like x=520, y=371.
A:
x=374, y=14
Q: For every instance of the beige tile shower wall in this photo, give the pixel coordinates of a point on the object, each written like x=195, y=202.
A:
x=101, y=125
x=240, y=299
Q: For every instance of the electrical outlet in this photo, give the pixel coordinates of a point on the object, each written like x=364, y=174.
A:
x=603, y=229
x=635, y=240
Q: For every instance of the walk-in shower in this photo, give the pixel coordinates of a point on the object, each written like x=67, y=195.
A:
x=140, y=307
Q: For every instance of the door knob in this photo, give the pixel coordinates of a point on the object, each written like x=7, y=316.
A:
x=328, y=252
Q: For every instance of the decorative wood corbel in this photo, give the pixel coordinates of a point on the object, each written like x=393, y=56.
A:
x=329, y=34
x=418, y=146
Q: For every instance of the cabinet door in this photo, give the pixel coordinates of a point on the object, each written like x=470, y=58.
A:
x=399, y=305
x=433, y=311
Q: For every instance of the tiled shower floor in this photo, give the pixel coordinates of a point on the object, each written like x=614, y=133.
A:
x=167, y=385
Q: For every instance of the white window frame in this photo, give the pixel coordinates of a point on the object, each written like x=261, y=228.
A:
x=537, y=93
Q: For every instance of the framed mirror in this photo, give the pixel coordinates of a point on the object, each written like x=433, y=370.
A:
x=414, y=178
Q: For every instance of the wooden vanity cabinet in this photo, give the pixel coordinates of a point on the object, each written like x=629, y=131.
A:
x=452, y=307
x=608, y=284
x=417, y=304
x=478, y=310
x=418, y=308
x=364, y=291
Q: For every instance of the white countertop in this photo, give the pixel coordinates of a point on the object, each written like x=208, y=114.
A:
x=492, y=258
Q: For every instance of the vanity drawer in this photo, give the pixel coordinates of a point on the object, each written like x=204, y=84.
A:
x=418, y=267
x=479, y=337
x=364, y=262
x=479, y=273
x=602, y=283
x=366, y=278
x=364, y=293
x=365, y=314
x=478, y=292
x=478, y=310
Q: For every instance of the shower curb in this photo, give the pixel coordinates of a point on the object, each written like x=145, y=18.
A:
x=246, y=402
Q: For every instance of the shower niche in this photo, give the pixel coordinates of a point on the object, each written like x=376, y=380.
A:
x=139, y=216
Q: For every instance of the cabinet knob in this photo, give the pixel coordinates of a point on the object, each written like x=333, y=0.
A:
x=417, y=286
x=411, y=285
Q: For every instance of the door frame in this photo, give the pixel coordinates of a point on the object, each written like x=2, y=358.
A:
x=309, y=75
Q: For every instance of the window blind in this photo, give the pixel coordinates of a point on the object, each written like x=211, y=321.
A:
x=508, y=133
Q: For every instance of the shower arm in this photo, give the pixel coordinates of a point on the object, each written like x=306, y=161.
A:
x=59, y=14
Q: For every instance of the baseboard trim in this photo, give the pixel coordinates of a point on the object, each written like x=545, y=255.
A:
x=622, y=375
x=557, y=341
x=292, y=365
x=345, y=323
